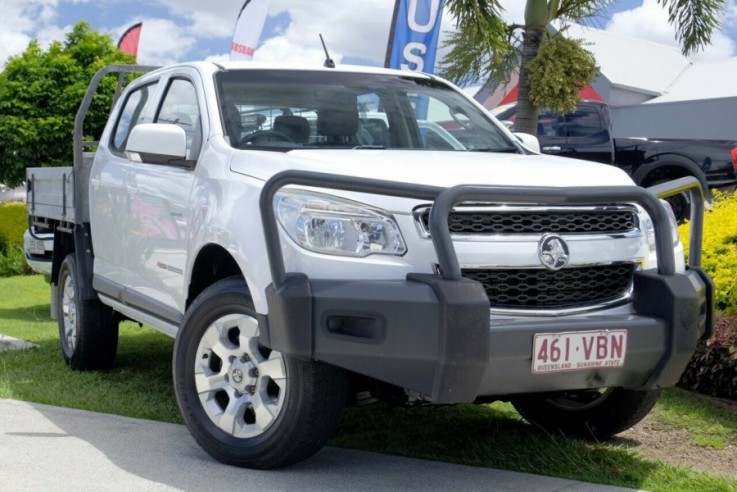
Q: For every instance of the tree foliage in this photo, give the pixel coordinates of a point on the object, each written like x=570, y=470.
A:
x=560, y=70
x=40, y=91
x=485, y=48
x=694, y=21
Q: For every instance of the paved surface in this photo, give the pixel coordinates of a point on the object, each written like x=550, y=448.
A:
x=12, y=194
x=51, y=448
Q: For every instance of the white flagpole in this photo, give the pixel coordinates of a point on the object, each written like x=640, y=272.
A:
x=248, y=29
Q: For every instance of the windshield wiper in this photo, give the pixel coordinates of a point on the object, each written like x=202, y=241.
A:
x=503, y=150
x=374, y=147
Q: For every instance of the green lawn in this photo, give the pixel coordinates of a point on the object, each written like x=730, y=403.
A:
x=139, y=385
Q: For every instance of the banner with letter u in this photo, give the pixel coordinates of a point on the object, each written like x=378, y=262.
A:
x=248, y=29
x=415, y=31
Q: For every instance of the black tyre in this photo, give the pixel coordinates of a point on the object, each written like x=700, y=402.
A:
x=681, y=207
x=87, y=328
x=591, y=414
x=680, y=204
x=244, y=404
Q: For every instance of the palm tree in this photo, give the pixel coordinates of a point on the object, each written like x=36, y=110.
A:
x=485, y=47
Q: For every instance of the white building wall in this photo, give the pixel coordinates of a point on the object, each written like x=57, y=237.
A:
x=626, y=97
x=706, y=119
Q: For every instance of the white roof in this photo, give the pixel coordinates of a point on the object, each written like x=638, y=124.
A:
x=631, y=63
x=339, y=67
x=704, y=80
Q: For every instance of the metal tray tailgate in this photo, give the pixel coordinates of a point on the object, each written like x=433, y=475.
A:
x=51, y=192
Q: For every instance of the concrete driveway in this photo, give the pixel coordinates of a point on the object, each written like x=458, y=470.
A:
x=51, y=448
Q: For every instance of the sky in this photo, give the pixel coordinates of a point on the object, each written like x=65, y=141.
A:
x=355, y=31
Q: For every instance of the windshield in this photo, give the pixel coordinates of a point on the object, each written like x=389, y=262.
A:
x=283, y=110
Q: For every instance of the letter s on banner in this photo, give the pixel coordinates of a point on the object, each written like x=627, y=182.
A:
x=248, y=29
x=414, y=35
x=412, y=56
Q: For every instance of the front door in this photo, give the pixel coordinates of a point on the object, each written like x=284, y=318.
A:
x=159, y=197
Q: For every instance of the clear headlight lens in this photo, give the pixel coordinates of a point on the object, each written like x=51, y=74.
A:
x=649, y=228
x=332, y=225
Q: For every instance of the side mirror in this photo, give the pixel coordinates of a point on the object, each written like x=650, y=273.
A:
x=529, y=141
x=158, y=143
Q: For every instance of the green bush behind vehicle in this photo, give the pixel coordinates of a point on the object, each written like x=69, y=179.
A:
x=13, y=222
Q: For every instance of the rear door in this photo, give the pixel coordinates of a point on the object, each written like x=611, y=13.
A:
x=110, y=210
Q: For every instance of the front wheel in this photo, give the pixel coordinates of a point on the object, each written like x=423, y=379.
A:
x=88, y=329
x=245, y=404
x=597, y=414
x=680, y=204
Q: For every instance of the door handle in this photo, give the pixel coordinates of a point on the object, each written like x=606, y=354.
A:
x=552, y=148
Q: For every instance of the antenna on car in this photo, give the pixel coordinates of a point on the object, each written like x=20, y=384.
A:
x=329, y=63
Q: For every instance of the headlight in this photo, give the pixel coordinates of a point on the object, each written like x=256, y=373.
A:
x=334, y=226
x=649, y=229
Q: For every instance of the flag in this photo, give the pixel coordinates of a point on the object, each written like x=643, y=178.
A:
x=129, y=40
x=413, y=40
x=248, y=29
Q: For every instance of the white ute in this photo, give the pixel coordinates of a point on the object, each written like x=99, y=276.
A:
x=298, y=229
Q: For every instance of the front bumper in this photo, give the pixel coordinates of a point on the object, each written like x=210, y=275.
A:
x=433, y=334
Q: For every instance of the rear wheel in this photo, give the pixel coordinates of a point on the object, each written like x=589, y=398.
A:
x=87, y=328
x=245, y=404
x=596, y=414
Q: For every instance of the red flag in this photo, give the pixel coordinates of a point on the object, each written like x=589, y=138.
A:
x=129, y=40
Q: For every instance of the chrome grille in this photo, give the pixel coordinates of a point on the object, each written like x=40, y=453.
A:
x=571, y=221
x=540, y=288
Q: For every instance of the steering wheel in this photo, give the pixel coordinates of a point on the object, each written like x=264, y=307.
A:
x=262, y=137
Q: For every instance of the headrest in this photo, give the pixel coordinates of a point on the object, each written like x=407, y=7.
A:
x=295, y=127
x=338, y=116
x=233, y=122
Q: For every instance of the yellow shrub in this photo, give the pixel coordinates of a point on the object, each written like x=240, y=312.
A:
x=719, y=254
x=13, y=222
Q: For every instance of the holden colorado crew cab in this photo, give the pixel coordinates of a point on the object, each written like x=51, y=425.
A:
x=311, y=239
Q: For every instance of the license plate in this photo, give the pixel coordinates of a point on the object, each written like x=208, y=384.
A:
x=36, y=247
x=577, y=351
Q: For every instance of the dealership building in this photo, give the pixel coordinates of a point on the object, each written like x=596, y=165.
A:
x=653, y=90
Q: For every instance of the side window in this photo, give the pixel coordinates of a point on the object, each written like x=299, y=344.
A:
x=135, y=109
x=583, y=122
x=180, y=107
x=547, y=122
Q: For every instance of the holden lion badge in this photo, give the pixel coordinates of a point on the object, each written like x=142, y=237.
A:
x=553, y=252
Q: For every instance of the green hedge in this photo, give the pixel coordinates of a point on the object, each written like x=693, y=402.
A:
x=713, y=369
x=13, y=222
x=719, y=252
